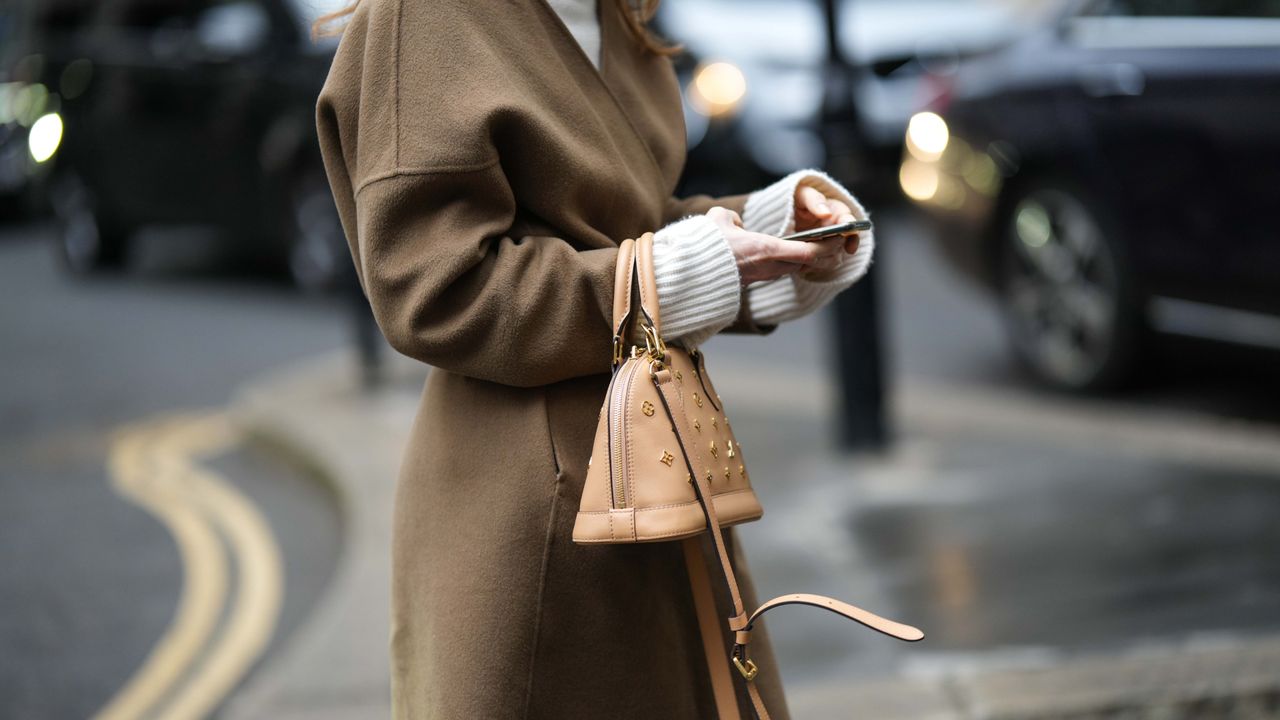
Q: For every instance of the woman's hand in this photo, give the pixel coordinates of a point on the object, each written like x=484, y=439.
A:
x=764, y=257
x=813, y=210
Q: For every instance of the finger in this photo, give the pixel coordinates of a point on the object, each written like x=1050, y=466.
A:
x=841, y=211
x=851, y=243
x=812, y=201
x=731, y=215
x=796, y=251
x=830, y=260
x=829, y=247
x=724, y=215
x=767, y=270
x=790, y=251
x=842, y=219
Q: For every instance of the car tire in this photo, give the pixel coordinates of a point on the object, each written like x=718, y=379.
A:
x=317, y=255
x=87, y=240
x=1067, y=290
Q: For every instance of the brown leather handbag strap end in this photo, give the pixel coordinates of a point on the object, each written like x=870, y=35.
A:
x=875, y=622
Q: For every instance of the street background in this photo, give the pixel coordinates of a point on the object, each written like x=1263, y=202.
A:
x=197, y=463
x=1021, y=529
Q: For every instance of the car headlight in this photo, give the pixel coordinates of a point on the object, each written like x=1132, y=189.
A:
x=717, y=89
x=44, y=136
x=918, y=180
x=927, y=136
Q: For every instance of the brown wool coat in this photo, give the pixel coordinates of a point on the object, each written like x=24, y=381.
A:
x=485, y=173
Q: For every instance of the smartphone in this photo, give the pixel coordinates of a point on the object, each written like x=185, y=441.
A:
x=822, y=233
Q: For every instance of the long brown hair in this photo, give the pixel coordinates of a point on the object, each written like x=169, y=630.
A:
x=637, y=12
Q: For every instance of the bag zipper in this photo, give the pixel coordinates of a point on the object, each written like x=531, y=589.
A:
x=617, y=433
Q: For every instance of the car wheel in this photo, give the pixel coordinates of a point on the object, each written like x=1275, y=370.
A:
x=1066, y=291
x=318, y=257
x=86, y=240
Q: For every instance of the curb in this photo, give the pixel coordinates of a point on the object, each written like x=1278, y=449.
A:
x=330, y=668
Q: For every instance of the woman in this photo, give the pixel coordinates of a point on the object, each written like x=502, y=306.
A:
x=487, y=157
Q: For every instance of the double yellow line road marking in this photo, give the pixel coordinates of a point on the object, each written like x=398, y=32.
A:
x=208, y=647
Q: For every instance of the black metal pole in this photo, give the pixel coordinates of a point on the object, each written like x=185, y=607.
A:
x=860, y=368
x=370, y=346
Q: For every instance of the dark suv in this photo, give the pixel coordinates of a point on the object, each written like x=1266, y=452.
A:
x=183, y=112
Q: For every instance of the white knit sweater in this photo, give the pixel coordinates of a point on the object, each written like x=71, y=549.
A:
x=699, y=289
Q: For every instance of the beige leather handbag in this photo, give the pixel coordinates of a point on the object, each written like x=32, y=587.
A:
x=639, y=484
x=666, y=466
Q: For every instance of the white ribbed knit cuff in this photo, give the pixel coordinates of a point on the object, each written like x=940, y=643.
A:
x=699, y=289
x=772, y=211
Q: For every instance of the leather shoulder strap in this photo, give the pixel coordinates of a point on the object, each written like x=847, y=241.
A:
x=704, y=604
x=741, y=623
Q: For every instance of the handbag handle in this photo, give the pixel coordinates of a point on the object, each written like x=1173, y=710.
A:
x=624, y=272
x=634, y=271
x=648, y=282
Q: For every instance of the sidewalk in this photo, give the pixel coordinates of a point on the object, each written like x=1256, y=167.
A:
x=1017, y=531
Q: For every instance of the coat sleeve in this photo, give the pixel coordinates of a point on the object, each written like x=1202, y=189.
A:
x=450, y=287
x=678, y=208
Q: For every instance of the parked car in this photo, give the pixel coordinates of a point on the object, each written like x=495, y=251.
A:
x=1113, y=173
x=183, y=112
x=18, y=170
x=767, y=58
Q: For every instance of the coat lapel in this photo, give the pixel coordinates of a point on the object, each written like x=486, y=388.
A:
x=645, y=88
x=639, y=91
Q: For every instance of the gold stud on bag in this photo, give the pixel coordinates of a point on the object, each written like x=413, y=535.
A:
x=661, y=405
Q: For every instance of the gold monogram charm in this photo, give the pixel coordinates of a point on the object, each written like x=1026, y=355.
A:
x=714, y=451
x=742, y=470
x=697, y=426
x=679, y=377
x=730, y=444
x=709, y=477
x=697, y=400
x=727, y=474
x=689, y=479
x=714, y=424
x=647, y=408
x=667, y=458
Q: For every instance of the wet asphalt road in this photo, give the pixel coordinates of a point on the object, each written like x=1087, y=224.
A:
x=1039, y=542
x=1053, y=547
x=1009, y=541
x=89, y=581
